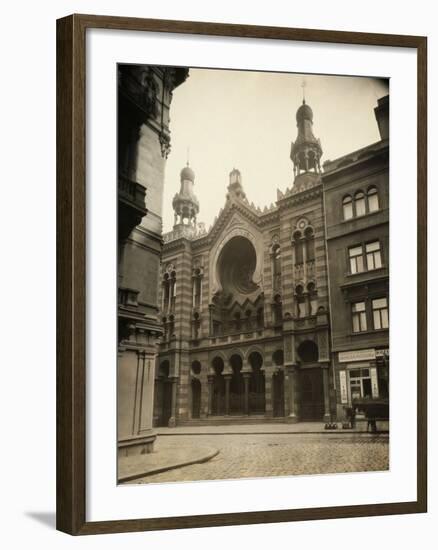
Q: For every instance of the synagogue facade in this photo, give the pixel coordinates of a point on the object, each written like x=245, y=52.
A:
x=244, y=306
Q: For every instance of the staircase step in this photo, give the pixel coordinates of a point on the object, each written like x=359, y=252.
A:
x=228, y=420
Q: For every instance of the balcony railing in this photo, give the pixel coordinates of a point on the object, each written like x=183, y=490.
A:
x=132, y=193
x=131, y=205
x=128, y=297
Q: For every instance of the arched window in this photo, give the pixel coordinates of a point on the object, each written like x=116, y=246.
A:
x=172, y=290
x=373, y=199
x=313, y=298
x=298, y=248
x=310, y=244
x=301, y=301
x=277, y=310
x=359, y=203
x=248, y=320
x=276, y=267
x=196, y=368
x=196, y=325
x=171, y=326
x=237, y=321
x=308, y=351
x=278, y=357
x=217, y=328
x=166, y=289
x=197, y=288
x=347, y=205
x=260, y=318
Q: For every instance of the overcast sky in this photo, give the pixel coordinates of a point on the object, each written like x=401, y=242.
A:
x=246, y=120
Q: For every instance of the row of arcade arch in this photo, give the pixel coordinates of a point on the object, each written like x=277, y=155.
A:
x=237, y=387
x=235, y=390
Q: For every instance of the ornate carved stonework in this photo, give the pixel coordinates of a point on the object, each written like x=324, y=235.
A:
x=150, y=94
x=164, y=144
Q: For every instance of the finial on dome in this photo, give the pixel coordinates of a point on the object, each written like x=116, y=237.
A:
x=303, y=85
x=306, y=151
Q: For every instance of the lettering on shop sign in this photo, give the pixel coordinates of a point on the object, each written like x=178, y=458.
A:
x=357, y=355
x=374, y=383
x=343, y=383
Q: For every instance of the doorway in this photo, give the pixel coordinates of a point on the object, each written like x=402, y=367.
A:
x=312, y=394
x=278, y=394
x=163, y=395
x=196, y=398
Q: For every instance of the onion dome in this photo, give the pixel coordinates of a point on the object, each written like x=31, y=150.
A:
x=187, y=174
x=185, y=204
x=304, y=113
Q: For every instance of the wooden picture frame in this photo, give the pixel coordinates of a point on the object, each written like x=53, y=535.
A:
x=71, y=272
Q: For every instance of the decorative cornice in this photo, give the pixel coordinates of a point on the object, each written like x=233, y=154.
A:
x=291, y=197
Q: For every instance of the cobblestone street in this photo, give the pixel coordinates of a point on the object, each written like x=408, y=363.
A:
x=265, y=455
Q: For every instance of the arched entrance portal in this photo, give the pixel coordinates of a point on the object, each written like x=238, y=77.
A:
x=196, y=398
x=256, y=384
x=163, y=395
x=236, y=386
x=278, y=384
x=218, y=401
x=311, y=382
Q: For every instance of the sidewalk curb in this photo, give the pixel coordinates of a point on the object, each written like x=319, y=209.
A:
x=160, y=469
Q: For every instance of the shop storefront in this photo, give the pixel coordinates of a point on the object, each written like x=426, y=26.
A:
x=362, y=375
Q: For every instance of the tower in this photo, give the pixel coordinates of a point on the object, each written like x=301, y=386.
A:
x=185, y=204
x=306, y=152
x=235, y=186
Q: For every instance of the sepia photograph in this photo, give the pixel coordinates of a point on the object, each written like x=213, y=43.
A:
x=253, y=274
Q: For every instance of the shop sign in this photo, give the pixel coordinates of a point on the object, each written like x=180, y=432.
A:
x=343, y=384
x=374, y=383
x=357, y=355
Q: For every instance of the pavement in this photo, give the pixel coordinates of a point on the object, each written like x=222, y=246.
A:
x=166, y=456
x=260, y=451
x=274, y=428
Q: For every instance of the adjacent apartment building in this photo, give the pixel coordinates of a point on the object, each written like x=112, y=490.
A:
x=356, y=199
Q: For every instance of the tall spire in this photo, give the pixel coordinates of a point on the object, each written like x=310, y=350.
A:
x=306, y=152
x=303, y=85
x=185, y=204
